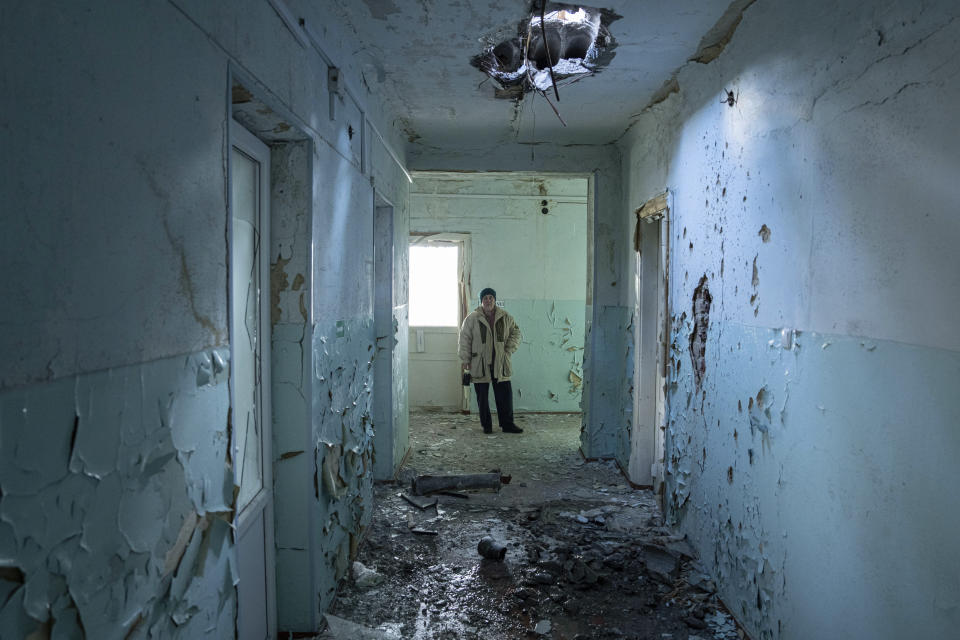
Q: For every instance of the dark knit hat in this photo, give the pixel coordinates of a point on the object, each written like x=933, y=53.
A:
x=488, y=291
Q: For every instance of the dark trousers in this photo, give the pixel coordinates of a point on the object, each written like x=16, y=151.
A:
x=502, y=395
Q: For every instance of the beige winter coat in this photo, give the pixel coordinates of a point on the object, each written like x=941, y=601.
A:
x=478, y=341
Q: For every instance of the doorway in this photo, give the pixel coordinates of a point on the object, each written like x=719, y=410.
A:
x=651, y=239
x=526, y=235
x=436, y=310
x=250, y=384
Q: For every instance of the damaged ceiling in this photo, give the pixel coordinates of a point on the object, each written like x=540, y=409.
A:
x=422, y=59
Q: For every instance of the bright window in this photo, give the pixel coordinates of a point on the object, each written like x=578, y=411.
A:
x=433, y=286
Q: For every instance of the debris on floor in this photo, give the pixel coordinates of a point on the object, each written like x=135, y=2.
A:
x=491, y=549
x=419, y=503
x=340, y=629
x=576, y=553
x=423, y=485
x=364, y=577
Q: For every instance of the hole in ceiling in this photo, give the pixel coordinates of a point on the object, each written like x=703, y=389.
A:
x=575, y=39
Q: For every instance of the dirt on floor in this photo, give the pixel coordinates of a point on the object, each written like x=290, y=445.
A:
x=586, y=555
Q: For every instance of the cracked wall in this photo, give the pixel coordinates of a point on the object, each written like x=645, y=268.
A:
x=536, y=261
x=807, y=465
x=116, y=485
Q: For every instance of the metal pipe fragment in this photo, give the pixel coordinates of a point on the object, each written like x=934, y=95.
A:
x=423, y=485
x=491, y=549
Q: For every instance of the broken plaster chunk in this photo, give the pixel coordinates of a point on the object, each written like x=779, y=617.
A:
x=204, y=370
x=219, y=358
x=365, y=577
x=661, y=565
x=210, y=367
x=543, y=628
x=332, y=481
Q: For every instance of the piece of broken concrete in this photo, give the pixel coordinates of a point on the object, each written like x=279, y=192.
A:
x=365, y=577
x=661, y=564
x=543, y=628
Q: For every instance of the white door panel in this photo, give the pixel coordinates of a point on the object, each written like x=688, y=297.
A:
x=250, y=372
x=435, y=371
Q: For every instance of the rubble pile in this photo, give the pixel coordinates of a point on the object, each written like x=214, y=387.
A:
x=578, y=554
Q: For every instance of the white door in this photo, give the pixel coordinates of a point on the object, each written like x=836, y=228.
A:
x=434, y=364
x=250, y=340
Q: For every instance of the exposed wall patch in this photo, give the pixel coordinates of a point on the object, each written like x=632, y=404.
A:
x=698, y=337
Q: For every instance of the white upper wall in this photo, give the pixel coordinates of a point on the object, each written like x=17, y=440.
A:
x=516, y=249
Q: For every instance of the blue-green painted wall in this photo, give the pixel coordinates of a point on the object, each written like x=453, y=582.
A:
x=536, y=262
x=813, y=463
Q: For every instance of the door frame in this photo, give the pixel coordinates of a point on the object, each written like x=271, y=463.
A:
x=384, y=386
x=252, y=146
x=647, y=430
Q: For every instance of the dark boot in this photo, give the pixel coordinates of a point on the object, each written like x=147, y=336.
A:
x=503, y=395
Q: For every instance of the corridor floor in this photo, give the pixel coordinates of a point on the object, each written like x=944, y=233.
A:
x=587, y=556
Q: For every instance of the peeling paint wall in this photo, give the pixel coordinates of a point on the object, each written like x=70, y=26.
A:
x=116, y=497
x=536, y=261
x=344, y=348
x=116, y=488
x=808, y=463
x=292, y=356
